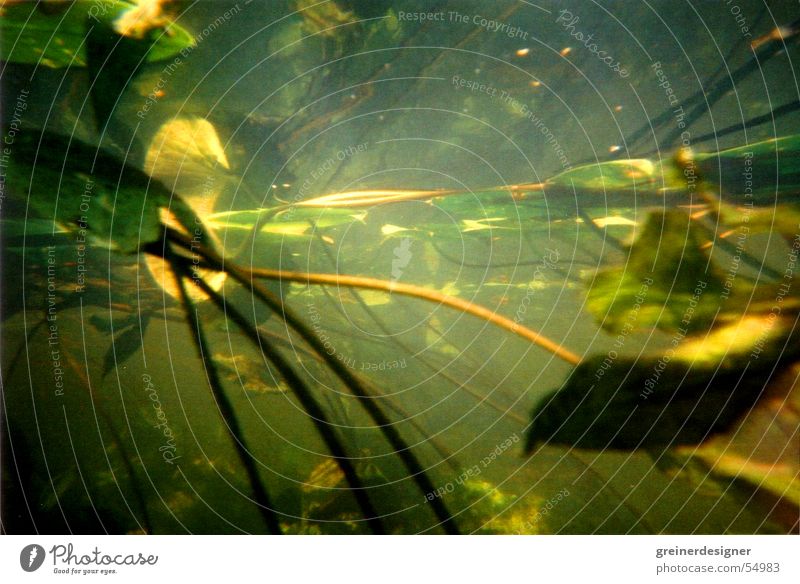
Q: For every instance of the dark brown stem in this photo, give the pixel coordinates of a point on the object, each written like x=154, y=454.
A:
x=309, y=403
x=367, y=401
x=226, y=409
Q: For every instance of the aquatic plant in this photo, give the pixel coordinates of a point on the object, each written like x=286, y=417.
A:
x=216, y=274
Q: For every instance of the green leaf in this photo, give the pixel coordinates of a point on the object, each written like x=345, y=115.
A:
x=667, y=281
x=58, y=38
x=79, y=188
x=763, y=173
x=614, y=175
x=683, y=396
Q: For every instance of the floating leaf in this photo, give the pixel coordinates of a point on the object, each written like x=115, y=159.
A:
x=186, y=155
x=31, y=35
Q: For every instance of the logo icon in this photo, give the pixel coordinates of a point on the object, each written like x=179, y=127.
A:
x=402, y=256
x=31, y=557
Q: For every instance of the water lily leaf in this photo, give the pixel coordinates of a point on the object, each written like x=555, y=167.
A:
x=667, y=282
x=186, y=154
x=683, y=396
x=55, y=39
x=765, y=172
x=614, y=175
x=80, y=188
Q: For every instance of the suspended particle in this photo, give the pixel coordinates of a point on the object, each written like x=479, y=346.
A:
x=523, y=52
x=565, y=51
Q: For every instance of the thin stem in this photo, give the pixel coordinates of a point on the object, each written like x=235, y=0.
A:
x=223, y=403
x=309, y=403
x=482, y=399
x=367, y=401
x=416, y=292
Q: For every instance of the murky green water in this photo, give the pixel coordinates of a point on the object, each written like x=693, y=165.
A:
x=111, y=424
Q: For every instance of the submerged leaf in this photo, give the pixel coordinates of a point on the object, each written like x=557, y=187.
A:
x=681, y=397
x=126, y=343
x=80, y=188
x=667, y=282
x=186, y=155
x=611, y=176
x=766, y=172
x=249, y=373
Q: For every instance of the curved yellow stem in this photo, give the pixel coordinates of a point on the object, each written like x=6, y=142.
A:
x=423, y=293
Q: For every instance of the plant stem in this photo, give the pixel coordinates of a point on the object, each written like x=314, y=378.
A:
x=309, y=403
x=367, y=401
x=421, y=293
x=223, y=403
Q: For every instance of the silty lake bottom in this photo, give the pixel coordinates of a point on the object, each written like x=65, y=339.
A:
x=387, y=267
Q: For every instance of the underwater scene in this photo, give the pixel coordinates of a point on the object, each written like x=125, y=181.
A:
x=400, y=267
